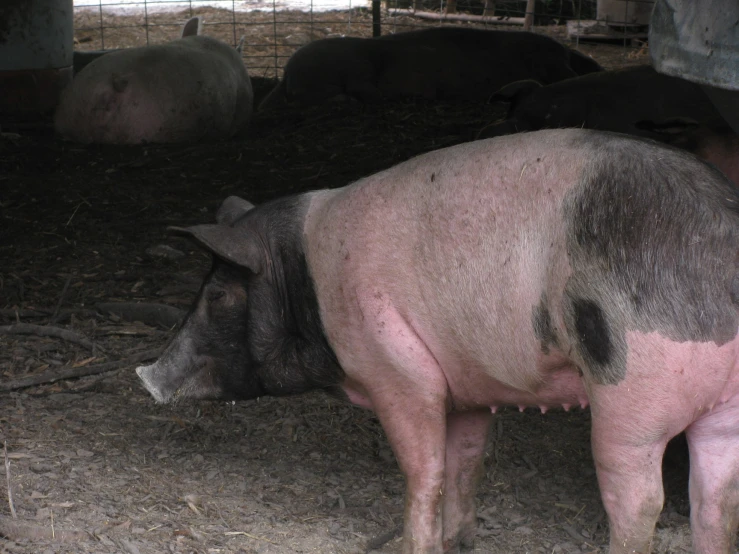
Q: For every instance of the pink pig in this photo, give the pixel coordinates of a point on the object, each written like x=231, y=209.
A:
x=190, y=89
x=552, y=268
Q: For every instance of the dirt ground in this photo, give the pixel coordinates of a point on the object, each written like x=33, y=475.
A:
x=93, y=465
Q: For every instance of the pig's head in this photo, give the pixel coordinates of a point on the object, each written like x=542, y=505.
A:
x=244, y=337
x=512, y=95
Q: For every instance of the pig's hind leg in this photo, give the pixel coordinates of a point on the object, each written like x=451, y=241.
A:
x=659, y=396
x=714, y=479
x=629, y=469
x=632, y=421
x=664, y=387
x=465, y=450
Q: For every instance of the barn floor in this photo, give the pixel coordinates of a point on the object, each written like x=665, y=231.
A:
x=95, y=466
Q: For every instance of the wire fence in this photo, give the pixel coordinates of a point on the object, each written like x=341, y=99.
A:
x=274, y=29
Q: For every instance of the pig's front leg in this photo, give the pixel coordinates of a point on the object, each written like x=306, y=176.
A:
x=416, y=429
x=466, y=440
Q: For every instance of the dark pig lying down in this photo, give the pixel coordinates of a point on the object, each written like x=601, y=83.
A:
x=635, y=100
x=549, y=269
x=451, y=63
x=619, y=100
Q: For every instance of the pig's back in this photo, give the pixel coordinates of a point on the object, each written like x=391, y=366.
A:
x=473, y=243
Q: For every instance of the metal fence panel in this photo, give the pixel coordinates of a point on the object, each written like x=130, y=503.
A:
x=274, y=29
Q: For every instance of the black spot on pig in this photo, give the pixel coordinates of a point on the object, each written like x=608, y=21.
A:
x=543, y=328
x=644, y=255
x=119, y=83
x=735, y=290
x=592, y=330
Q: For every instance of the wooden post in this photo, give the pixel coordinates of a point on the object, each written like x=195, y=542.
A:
x=489, y=10
x=529, y=19
x=418, y=5
x=451, y=6
x=35, y=56
x=376, y=26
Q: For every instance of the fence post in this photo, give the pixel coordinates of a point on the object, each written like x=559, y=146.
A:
x=376, y=27
x=35, y=56
x=528, y=21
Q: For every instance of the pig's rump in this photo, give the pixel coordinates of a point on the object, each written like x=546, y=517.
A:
x=168, y=93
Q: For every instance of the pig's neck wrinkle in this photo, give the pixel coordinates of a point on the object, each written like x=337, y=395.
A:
x=301, y=358
x=301, y=365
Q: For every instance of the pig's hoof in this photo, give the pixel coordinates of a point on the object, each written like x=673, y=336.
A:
x=454, y=546
x=465, y=540
x=380, y=540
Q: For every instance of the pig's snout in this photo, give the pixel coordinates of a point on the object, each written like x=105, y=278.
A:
x=148, y=375
x=194, y=377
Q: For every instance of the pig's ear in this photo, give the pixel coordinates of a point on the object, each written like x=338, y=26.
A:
x=669, y=126
x=514, y=92
x=193, y=27
x=505, y=127
x=232, y=209
x=236, y=246
x=276, y=98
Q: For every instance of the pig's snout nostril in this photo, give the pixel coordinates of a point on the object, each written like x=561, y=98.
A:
x=144, y=371
x=203, y=363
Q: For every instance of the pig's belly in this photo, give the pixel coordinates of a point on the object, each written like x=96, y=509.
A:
x=554, y=383
x=555, y=387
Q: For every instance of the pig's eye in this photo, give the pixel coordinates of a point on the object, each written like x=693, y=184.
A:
x=215, y=295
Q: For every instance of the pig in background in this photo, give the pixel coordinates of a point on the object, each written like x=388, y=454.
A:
x=191, y=89
x=550, y=269
x=82, y=58
x=636, y=101
x=445, y=63
x=718, y=145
